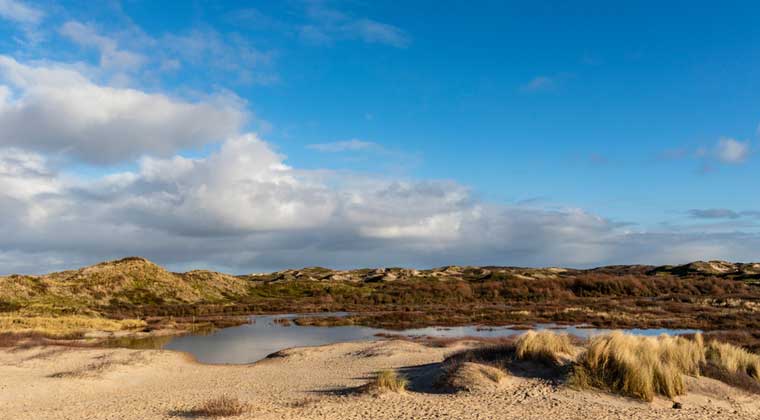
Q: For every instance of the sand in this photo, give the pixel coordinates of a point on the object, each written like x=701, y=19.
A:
x=311, y=383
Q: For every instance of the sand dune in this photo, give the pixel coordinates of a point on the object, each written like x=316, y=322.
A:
x=311, y=383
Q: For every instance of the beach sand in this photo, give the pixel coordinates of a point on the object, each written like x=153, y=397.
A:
x=55, y=382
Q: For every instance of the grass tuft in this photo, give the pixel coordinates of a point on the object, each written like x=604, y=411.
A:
x=544, y=346
x=388, y=380
x=733, y=359
x=639, y=367
x=222, y=406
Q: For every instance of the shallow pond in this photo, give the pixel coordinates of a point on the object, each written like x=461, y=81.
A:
x=265, y=335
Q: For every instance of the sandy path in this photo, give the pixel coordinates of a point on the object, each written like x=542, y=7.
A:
x=306, y=383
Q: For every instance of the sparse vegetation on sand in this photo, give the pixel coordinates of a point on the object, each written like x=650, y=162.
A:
x=222, y=406
x=388, y=381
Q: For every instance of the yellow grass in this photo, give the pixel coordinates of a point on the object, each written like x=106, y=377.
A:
x=734, y=359
x=389, y=380
x=63, y=326
x=639, y=367
x=544, y=346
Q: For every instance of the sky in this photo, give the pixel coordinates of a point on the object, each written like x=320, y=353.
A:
x=250, y=136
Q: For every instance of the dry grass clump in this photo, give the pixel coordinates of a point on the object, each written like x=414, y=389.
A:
x=544, y=346
x=388, y=380
x=222, y=406
x=65, y=326
x=639, y=367
x=733, y=359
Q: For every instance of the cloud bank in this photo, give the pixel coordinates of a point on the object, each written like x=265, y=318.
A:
x=243, y=209
x=54, y=109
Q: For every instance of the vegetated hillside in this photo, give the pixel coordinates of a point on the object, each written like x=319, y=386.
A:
x=130, y=281
x=700, y=295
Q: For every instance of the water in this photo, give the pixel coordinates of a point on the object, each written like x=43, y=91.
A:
x=263, y=336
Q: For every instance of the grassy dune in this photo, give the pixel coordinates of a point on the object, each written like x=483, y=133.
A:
x=633, y=366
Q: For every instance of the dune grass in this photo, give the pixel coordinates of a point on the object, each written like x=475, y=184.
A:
x=733, y=359
x=638, y=367
x=65, y=326
x=544, y=346
x=388, y=380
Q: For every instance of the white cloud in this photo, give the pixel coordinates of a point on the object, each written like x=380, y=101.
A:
x=55, y=109
x=377, y=32
x=111, y=57
x=231, y=54
x=19, y=12
x=244, y=209
x=732, y=151
x=243, y=188
x=343, y=146
x=327, y=25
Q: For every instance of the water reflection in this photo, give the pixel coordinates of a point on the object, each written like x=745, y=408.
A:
x=267, y=334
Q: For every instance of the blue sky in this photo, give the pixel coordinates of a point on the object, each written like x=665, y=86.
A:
x=609, y=131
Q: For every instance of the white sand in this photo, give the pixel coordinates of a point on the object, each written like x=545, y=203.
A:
x=308, y=383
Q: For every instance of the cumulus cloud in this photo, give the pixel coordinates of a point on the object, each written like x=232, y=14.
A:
x=51, y=108
x=243, y=209
x=17, y=11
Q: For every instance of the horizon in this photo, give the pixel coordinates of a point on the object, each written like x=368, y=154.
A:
x=255, y=137
x=431, y=268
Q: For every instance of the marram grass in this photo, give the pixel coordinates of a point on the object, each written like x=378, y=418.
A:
x=389, y=380
x=63, y=326
x=638, y=367
x=544, y=346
